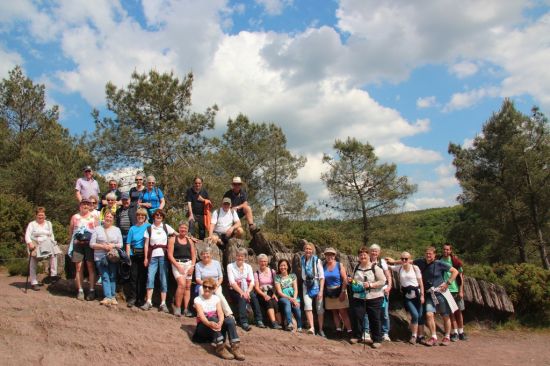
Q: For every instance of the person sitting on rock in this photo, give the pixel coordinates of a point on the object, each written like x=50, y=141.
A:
x=239, y=201
x=212, y=325
x=264, y=283
x=211, y=268
x=286, y=287
x=225, y=224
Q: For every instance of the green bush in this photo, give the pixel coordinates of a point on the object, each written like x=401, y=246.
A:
x=15, y=214
x=527, y=285
x=19, y=267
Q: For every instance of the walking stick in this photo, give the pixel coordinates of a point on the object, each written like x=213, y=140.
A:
x=28, y=271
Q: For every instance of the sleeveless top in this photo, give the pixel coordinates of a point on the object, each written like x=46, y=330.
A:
x=333, y=278
x=79, y=221
x=182, y=251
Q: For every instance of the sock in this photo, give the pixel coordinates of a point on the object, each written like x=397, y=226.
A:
x=460, y=330
x=338, y=329
x=92, y=289
x=455, y=331
x=80, y=290
x=413, y=335
x=163, y=303
x=434, y=336
x=447, y=335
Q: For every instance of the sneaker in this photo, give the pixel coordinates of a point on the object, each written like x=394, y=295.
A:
x=146, y=306
x=454, y=337
x=90, y=296
x=260, y=324
x=386, y=338
x=446, y=341
x=412, y=340
x=463, y=337
x=289, y=328
x=113, y=301
x=299, y=330
x=131, y=303
x=54, y=279
x=276, y=325
x=321, y=334
x=376, y=345
x=187, y=313
x=354, y=340
x=246, y=327
x=106, y=301
x=366, y=338
x=420, y=339
x=311, y=331
x=164, y=308
x=431, y=342
x=35, y=287
x=177, y=312
x=80, y=295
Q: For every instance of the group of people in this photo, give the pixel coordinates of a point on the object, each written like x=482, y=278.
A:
x=132, y=226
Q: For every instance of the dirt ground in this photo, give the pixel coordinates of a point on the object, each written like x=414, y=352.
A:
x=43, y=328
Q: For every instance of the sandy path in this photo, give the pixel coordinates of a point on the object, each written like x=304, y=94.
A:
x=40, y=328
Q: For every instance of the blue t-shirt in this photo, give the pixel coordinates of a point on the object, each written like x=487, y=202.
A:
x=432, y=273
x=135, y=236
x=333, y=278
x=153, y=197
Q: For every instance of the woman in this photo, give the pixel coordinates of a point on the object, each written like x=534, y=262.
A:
x=151, y=198
x=94, y=200
x=286, y=287
x=181, y=253
x=211, y=268
x=104, y=239
x=336, y=296
x=264, y=284
x=212, y=325
x=81, y=228
x=135, y=249
x=111, y=206
x=412, y=288
x=313, y=284
x=135, y=192
x=367, y=282
x=241, y=282
x=38, y=232
x=157, y=238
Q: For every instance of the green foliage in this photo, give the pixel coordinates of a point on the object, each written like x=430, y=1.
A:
x=15, y=214
x=527, y=285
x=19, y=267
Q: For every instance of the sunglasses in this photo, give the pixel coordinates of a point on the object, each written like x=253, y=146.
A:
x=139, y=180
x=404, y=259
x=210, y=288
x=93, y=202
x=150, y=182
x=141, y=215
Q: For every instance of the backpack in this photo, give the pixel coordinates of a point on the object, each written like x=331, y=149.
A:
x=312, y=284
x=359, y=288
x=153, y=247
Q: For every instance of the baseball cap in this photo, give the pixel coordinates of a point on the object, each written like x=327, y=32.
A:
x=226, y=200
x=87, y=167
x=237, y=180
x=124, y=196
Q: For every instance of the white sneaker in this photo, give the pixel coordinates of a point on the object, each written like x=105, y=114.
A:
x=366, y=338
x=386, y=338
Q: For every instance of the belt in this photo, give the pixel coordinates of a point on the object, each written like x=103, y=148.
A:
x=183, y=260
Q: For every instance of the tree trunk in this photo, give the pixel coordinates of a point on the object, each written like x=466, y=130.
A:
x=519, y=234
x=365, y=223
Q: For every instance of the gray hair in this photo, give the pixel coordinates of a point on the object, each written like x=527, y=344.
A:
x=151, y=178
x=140, y=175
x=242, y=251
x=262, y=256
x=375, y=246
x=110, y=196
x=206, y=249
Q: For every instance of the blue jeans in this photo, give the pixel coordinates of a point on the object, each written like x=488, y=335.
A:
x=205, y=334
x=385, y=315
x=242, y=304
x=160, y=264
x=414, y=307
x=288, y=310
x=107, y=271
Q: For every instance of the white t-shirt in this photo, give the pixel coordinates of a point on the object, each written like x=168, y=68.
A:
x=407, y=278
x=225, y=220
x=102, y=236
x=209, y=306
x=244, y=278
x=382, y=262
x=159, y=237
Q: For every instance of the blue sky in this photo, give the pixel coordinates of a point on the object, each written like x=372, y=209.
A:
x=408, y=77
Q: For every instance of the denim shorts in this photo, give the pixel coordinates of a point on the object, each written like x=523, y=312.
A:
x=442, y=307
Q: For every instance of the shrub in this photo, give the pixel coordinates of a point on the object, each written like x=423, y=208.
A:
x=15, y=214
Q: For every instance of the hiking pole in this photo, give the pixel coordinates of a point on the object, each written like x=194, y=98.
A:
x=28, y=272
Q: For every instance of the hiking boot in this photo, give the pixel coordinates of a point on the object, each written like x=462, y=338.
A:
x=420, y=339
x=35, y=287
x=131, y=303
x=237, y=352
x=253, y=229
x=106, y=301
x=146, y=306
x=164, y=308
x=431, y=342
x=260, y=324
x=446, y=341
x=376, y=345
x=187, y=313
x=366, y=338
x=113, y=301
x=246, y=327
x=276, y=325
x=222, y=352
x=321, y=334
x=177, y=312
x=412, y=340
x=386, y=338
x=80, y=295
x=454, y=337
x=463, y=337
x=90, y=296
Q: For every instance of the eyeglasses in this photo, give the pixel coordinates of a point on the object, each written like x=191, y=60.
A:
x=404, y=259
x=139, y=180
x=158, y=215
x=93, y=202
x=210, y=288
x=150, y=182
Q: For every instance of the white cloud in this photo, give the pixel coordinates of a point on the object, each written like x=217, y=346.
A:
x=397, y=152
x=8, y=60
x=469, y=98
x=426, y=102
x=467, y=143
x=422, y=203
x=464, y=69
x=274, y=7
x=311, y=172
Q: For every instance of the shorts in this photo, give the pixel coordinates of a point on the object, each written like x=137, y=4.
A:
x=335, y=303
x=240, y=213
x=459, y=301
x=186, y=266
x=308, y=303
x=442, y=307
x=82, y=253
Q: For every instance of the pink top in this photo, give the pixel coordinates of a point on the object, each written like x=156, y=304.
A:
x=266, y=278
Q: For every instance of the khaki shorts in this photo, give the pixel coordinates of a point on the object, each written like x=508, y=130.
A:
x=82, y=253
x=186, y=266
x=335, y=303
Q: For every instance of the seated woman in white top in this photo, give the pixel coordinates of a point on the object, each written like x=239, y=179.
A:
x=39, y=231
x=241, y=280
x=211, y=268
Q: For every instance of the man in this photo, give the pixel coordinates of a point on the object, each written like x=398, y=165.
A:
x=437, y=296
x=86, y=186
x=374, y=254
x=239, y=201
x=196, y=199
x=124, y=220
x=113, y=187
x=457, y=290
x=225, y=224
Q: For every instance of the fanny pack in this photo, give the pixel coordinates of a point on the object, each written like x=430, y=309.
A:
x=333, y=292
